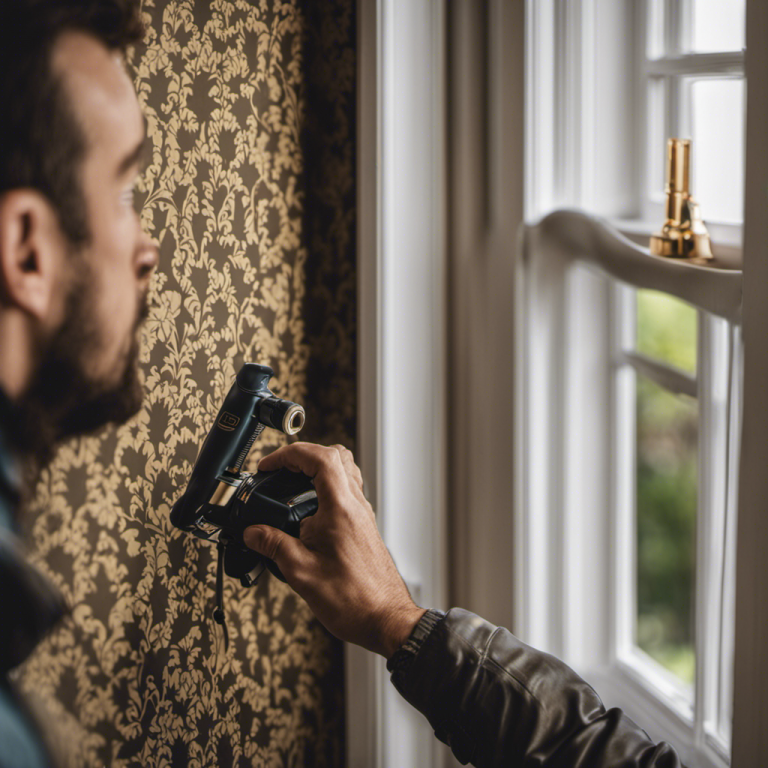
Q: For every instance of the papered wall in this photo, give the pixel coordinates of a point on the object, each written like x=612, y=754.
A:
x=249, y=190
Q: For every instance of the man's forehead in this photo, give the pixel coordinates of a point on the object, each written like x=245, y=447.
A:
x=100, y=91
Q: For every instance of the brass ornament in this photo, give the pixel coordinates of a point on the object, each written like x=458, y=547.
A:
x=683, y=235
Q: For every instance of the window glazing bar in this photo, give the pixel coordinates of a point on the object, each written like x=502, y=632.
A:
x=705, y=64
x=671, y=379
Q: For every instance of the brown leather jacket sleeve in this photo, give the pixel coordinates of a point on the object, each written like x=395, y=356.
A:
x=498, y=702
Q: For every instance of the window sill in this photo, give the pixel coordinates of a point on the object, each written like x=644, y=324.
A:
x=621, y=685
x=727, y=239
x=569, y=236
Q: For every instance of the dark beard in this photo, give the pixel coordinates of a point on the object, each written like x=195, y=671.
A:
x=62, y=401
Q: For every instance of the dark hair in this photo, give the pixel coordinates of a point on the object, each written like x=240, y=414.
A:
x=41, y=144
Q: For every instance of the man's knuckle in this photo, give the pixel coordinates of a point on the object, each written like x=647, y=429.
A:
x=273, y=546
x=298, y=576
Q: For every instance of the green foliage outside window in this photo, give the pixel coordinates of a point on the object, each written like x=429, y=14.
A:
x=667, y=445
x=666, y=330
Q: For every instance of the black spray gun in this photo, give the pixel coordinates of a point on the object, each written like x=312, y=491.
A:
x=221, y=501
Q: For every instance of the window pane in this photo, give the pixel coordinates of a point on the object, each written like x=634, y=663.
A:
x=666, y=329
x=657, y=136
x=667, y=427
x=717, y=25
x=717, y=128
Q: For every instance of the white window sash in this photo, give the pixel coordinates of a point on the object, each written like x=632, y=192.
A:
x=565, y=521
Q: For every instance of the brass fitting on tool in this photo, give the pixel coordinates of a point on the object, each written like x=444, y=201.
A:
x=683, y=235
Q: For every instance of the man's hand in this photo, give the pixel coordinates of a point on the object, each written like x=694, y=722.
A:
x=340, y=564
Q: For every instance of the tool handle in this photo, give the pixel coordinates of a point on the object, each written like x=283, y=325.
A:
x=227, y=445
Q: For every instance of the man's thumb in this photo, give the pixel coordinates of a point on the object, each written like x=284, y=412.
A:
x=272, y=543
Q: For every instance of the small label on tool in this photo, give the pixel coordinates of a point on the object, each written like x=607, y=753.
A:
x=228, y=421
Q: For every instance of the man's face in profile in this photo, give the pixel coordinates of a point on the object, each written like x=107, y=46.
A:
x=88, y=366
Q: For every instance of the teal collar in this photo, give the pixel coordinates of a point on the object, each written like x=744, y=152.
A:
x=10, y=471
x=30, y=605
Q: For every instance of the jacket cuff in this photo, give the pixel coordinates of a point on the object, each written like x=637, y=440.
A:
x=403, y=657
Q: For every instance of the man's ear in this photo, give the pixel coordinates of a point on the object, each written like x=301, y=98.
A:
x=32, y=254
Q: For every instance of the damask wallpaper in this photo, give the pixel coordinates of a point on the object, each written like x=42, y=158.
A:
x=249, y=190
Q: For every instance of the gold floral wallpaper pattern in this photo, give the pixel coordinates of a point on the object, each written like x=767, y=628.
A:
x=249, y=190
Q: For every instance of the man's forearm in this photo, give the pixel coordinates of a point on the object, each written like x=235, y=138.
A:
x=497, y=702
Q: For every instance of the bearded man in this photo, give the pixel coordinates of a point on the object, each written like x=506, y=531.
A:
x=74, y=272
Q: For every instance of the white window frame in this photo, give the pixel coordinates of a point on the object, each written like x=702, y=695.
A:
x=563, y=169
x=576, y=528
x=367, y=728
x=401, y=344
x=703, y=719
x=676, y=66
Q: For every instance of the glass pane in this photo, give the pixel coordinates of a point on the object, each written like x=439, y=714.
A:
x=717, y=25
x=657, y=136
x=717, y=133
x=667, y=427
x=666, y=329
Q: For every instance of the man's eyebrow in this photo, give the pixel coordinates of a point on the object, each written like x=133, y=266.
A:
x=135, y=157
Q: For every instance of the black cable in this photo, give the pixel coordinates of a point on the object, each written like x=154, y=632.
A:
x=218, y=613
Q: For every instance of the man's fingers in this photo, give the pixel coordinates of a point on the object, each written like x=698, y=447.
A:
x=333, y=469
x=285, y=457
x=289, y=553
x=321, y=463
x=352, y=470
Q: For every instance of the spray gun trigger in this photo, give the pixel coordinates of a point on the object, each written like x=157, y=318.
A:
x=250, y=578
